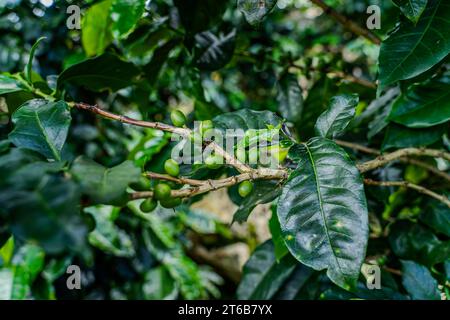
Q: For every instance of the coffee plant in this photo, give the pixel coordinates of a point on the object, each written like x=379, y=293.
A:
x=113, y=159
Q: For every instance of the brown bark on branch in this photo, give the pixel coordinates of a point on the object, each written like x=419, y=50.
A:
x=409, y=185
x=204, y=186
x=415, y=162
x=396, y=155
x=247, y=173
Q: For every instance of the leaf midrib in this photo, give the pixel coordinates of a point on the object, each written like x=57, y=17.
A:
x=319, y=195
x=44, y=133
x=418, y=42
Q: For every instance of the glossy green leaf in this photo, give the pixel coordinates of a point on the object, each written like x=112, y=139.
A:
x=295, y=283
x=412, y=9
x=263, y=275
x=213, y=52
x=323, y=211
x=8, y=84
x=124, y=15
x=107, y=236
x=96, y=28
x=437, y=216
x=104, y=185
x=106, y=72
x=339, y=114
x=413, y=49
x=423, y=105
x=41, y=126
x=256, y=10
x=200, y=15
x=414, y=242
x=398, y=136
x=419, y=282
x=246, y=119
x=290, y=98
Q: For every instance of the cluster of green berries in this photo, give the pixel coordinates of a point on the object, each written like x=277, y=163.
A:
x=162, y=192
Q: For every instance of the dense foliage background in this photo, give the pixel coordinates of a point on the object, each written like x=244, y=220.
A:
x=339, y=95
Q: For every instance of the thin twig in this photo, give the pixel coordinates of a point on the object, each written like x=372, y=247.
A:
x=204, y=186
x=415, y=162
x=382, y=160
x=409, y=185
x=180, y=180
x=185, y=132
x=347, y=23
x=247, y=173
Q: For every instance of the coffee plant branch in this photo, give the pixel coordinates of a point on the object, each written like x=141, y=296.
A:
x=409, y=185
x=248, y=173
x=204, y=186
x=413, y=161
x=347, y=23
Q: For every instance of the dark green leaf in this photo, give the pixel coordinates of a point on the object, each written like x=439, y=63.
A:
x=398, y=136
x=413, y=49
x=41, y=126
x=437, y=216
x=256, y=10
x=323, y=211
x=104, y=185
x=339, y=114
x=414, y=242
x=419, y=282
x=290, y=98
x=106, y=72
x=214, y=52
x=263, y=275
x=294, y=283
x=247, y=119
x=412, y=9
x=8, y=84
x=200, y=15
x=423, y=105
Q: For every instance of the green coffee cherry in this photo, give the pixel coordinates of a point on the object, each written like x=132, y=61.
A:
x=162, y=191
x=142, y=185
x=205, y=126
x=148, y=205
x=172, y=167
x=241, y=155
x=170, y=202
x=178, y=118
x=245, y=188
x=196, y=138
x=213, y=161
